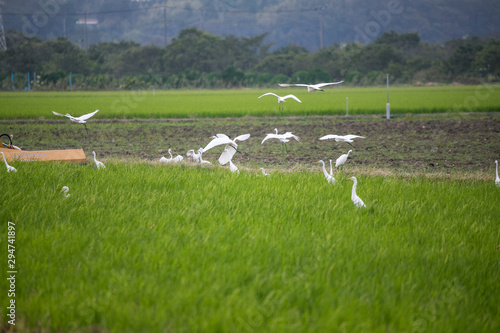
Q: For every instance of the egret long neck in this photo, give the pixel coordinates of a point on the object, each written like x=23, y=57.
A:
x=353, y=194
x=496, y=169
x=324, y=169
x=8, y=165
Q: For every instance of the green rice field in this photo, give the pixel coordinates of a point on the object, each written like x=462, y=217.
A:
x=245, y=102
x=142, y=246
x=147, y=248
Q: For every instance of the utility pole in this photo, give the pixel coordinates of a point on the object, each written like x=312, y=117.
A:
x=388, y=105
x=3, y=43
x=320, y=32
x=85, y=31
x=165, y=25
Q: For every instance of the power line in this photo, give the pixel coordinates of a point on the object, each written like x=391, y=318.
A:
x=207, y=10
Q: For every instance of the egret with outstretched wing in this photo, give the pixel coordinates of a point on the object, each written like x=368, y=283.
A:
x=342, y=138
x=281, y=99
x=310, y=87
x=79, y=120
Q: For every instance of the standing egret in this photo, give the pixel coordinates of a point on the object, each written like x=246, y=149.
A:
x=191, y=153
x=331, y=170
x=78, y=120
x=310, y=87
x=342, y=138
x=264, y=172
x=163, y=159
x=329, y=177
x=9, y=167
x=98, y=164
x=202, y=161
x=354, y=197
x=342, y=159
x=281, y=99
x=497, y=179
x=176, y=159
x=64, y=191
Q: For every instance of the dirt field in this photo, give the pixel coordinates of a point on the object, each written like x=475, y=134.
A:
x=450, y=144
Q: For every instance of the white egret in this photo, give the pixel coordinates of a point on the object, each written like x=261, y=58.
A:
x=233, y=167
x=191, y=153
x=9, y=167
x=284, y=138
x=342, y=138
x=329, y=177
x=264, y=172
x=310, y=87
x=281, y=99
x=64, y=191
x=98, y=164
x=354, y=197
x=331, y=170
x=78, y=120
x=231, y=146
x=202, y=161
x=342, y=159
x=497, y=179
x=176, y=159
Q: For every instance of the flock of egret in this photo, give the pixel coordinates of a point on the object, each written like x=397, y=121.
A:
x=231, y=145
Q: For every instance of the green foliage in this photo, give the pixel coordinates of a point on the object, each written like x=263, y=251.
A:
x=196, y=59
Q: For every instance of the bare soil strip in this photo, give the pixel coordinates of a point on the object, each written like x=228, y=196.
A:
x=462, y=146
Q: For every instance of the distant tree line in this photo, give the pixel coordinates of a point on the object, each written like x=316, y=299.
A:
x=196, y=59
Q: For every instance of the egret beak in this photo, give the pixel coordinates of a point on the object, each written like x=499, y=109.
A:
x=348, y=179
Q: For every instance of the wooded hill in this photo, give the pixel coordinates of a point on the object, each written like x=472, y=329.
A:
x=309, y=23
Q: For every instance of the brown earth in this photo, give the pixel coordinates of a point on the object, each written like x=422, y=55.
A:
x=459, y=144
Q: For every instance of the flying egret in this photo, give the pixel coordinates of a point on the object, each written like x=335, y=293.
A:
x=329, y=177
x=284, y=138
x=231, y=146
x=497, y=179
x=202, y=161
x=9, y=167
x=281, y=100
x=233, y=167
x=264, y=172
x=342, y=138
x=354, y=197
x=342, y=159
x=64, y=191
x=78, y=120
x=310, y=87
x=98, y=164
